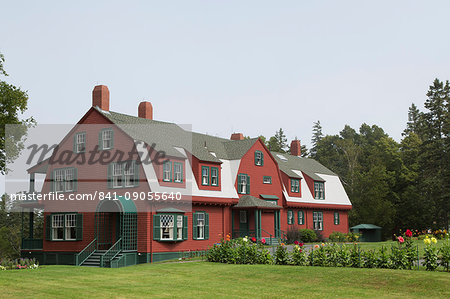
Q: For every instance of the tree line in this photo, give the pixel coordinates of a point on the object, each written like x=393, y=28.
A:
x=395, y=185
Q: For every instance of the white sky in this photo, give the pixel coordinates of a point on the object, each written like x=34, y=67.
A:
x=224, y=66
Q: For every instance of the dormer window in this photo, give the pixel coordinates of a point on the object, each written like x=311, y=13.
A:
x=259, y=158
x=319, y=191
x=167, y=171
x=205, y=175
x=295, y=185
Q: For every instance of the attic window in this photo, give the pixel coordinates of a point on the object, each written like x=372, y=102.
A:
x=283, y=158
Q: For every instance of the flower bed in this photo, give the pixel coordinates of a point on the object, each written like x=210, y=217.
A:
x=18, y=264
x=402, y=256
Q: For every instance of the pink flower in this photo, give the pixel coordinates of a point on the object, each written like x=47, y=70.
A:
x=263, y=241
x=400, y=239
x=408, y=233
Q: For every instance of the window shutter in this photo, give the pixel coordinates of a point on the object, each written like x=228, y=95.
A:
x=298, y=217
x=136, y=173
x=185, y=227
x=248, y=184
x=100, y=143
x=175, y=227
x=182, y=172
x=194, y=226
x=75, y=179
x=239, y=183
x=339, y=220
x=48, y=225
x=262, y=159
x=79, y=232
x=109, y=176
x=206, y=226
x=156, y=227
x=256, y=157
x=74, y=143
x=112, y=138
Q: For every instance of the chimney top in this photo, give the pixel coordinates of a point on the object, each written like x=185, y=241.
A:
x=296, y=149
x=145, y=110
x=237, y=136
x=100, y=97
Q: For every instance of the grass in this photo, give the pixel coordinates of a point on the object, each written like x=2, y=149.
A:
x=202, y=279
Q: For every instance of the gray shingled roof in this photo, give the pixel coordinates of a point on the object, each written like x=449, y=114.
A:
x=248, y=201
x=309, y=166
x=167, y=136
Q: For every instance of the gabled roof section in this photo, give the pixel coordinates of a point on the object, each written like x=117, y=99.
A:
x=166, y=136
x=248, y=201
x=310, y=167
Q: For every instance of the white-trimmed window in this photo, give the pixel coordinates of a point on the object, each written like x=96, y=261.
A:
x=259, y=158
x=129, y=169
x=336, y=218
x=205, y=175
x=179, y=227
x=301, y=218
x=318, y=220
x=71, y=226
x=123, y=174
x=290, y=217
x=214, y=176
x=319, y=190
x=267, y=179
x=58, y=227
x=200, y=226
x=167, y=225
x=167, y=171
x=177, y=172
x=64, y=179
x=107, y=139
x=243, y=184
x=80, y=142
x=295, y=185
x=117, y=172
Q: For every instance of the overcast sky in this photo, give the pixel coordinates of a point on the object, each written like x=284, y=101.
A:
x=230, y=66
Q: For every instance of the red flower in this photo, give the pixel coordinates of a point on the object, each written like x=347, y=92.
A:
x=263, y=241
x=408, y=233
x=296, y=242
x=253, y=239
x=301, y=244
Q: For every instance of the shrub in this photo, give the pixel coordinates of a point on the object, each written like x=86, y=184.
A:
x=352, y=237
x=317, y=256
x=292, y=235
x=337, y=237
x=281, y=255
x=355, y=256
x=343, y=257
x=319, y=236
x=307, y=235
x=22, y=263
x=430, y=254
x=369, y=259
x=444, y=255
x=383, y=258
x=298, y=256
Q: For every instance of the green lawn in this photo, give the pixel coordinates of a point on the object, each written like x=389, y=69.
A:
x=202, y=279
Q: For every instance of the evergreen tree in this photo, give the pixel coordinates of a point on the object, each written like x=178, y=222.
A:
x=278, y=143
x=316, y=137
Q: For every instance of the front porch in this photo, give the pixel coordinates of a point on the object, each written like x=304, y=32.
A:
x=254, y=217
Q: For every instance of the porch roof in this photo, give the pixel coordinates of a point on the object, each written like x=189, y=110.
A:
x=248, y=201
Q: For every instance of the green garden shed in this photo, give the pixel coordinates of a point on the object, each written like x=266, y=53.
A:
x=368, y=232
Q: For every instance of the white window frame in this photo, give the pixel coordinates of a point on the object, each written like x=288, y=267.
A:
x=107, y=137
x=214, y=178
x=319, y=190
x=336, y=219
x=129, y=172
x=177, y=172
x=258, y=158
x=318, y=220
x=243, y=184
x=290, y=216
x=57, y=224
x=179, y=227
x=80, y=145
x=205, y=175
x=201, y=226
x=167, y=171
x=301, y=218
x=169, y=227
x=70, y=225
x=117, y=175
x=295, y=186
x=59, y=180
x=267, y=179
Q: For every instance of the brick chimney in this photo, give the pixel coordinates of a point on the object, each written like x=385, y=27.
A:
x=296, y=149
x=237, y=136
x=145, y=110
x=100, y=97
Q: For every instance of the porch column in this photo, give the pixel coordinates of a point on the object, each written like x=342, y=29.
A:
x=31, y=224
x=232, y=224
x=258, y=224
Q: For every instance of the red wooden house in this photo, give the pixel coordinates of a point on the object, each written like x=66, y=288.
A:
x=213, y=187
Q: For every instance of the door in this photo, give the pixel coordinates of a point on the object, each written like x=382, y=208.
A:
x=243, y=223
